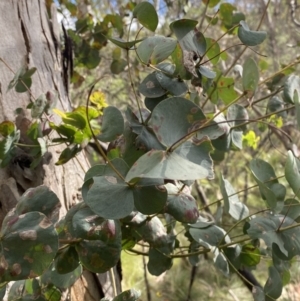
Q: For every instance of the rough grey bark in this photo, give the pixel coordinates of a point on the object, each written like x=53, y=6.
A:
x=30, y=39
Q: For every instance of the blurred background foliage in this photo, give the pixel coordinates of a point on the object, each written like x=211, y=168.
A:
x=96, y=61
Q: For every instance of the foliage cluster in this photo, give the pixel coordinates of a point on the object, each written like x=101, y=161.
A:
x=142, y=191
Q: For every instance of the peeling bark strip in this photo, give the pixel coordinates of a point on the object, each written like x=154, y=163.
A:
x=29, y=39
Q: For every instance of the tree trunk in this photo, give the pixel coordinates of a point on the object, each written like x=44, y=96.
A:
x=30, y=39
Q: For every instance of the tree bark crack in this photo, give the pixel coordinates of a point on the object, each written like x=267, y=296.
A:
x=26, y=38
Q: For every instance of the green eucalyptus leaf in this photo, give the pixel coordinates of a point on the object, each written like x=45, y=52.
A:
x=66, y=260
x=68, y=154
x=52, y=293
x=276, y=103
x=118, y=66
x=292, y=173
x=232, y=204
x=258, y=293
x=225, y=89
x=154, y=50
x=40, y=199
x=178, y=59
x=173, y=85
x=283, y=267
x=62, y=281
x=38, y=238
x=97, y=256
x=122, y=43
x=221, y=263
x=110, y=197
x=182, y=206
x=146, y=14
x=150, y=87
x=207, y=72
x=129, y=295
x=285, y=243
x=250, y=255
x=112, y=124
x=213, y=50
x=25, y=290
x=149, y=199
x=162, y=165
x=273, y=286
x=211, y=3
x=182, y=27
x=210, y=236
x=151, y=231
x=158, y=262
x=265, y=177
x=39, y=106
x=249, y=37
x=151, y=103
x=291, y=208
x=7, y=128
x=291, y=92
x=250, y=77
x=174, y=118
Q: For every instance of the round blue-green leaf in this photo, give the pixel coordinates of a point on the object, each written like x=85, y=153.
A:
x=287, y=242
x=118, y=66
x=249, y=37
x=112, y=124
x=221, y=263
x=146, y=14
x=182, y=27
x=158, y=262
x=149, y=199
x=123, y=44
x=291, y=208
x=276, y=103
x=150, y=87
x=97, y=256
x=103, y=170
x=129, y=295
x=198, y=152
x=62, y=281
x=291, y=88
x=237, y=114
x=106, y=170
x=110, y=198
x=173, y=118
x=89, y=226
x=38, y=238
x=66, y=260
x=208, y=237
x=250, y=77
x=162, y=165
x=175, y=86
x=182, y=206
x=273, y=286
x=25, y=290
x=207, y=72
x=258, y=293
x=232, y=204
x=154, y=50
x=292, y=173
x=40, y=199
x=151, y=103
x=151, y=231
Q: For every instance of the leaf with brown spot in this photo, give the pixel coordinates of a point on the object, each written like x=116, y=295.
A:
x=27, y=245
